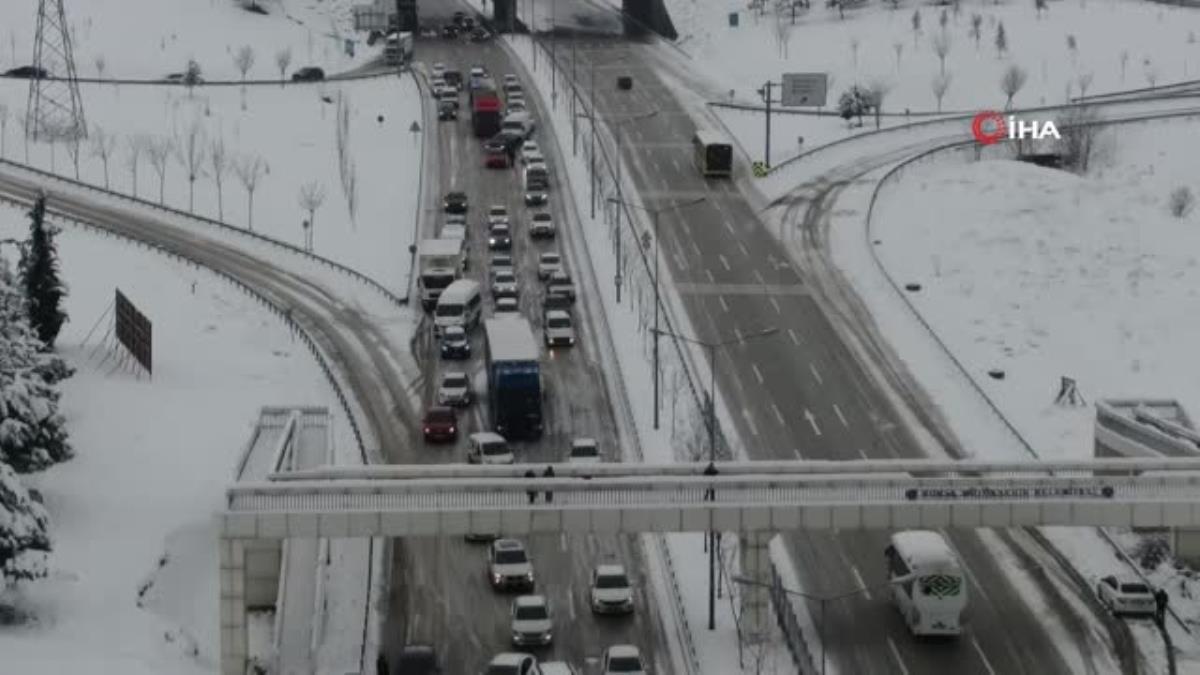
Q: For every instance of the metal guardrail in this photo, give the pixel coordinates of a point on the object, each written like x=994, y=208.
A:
x=789, y=625
x=211, y=83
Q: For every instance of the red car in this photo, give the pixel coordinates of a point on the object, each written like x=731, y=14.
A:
x=496, y=159
x=440, y=425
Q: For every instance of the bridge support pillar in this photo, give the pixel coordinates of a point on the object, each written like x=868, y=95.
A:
x=232, y=553
x=504, y=14
x=756, y=564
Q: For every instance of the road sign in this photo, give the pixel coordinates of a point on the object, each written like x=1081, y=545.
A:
x=415, y=127
x=804, y=89
x=759, y=169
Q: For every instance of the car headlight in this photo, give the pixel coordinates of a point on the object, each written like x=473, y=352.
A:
x=529, y=576
x=496, y=578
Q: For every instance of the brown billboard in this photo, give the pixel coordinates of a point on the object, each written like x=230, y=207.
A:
x=133, y=331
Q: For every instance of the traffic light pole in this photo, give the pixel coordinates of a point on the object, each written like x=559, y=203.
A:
x=765, y=93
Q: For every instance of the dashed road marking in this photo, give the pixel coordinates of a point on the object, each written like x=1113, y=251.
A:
x=775, y=304
x=724, y=262
x=861, y=584
x=724, y=305
x=757, y=373
x=982, y=657
x=840, y=416
x=896, y=655
x=792, y=334
x=813, y=369
x=812, y=421
x=778, y=415
x=749, y=421
x=745, y=251
x=758, y=275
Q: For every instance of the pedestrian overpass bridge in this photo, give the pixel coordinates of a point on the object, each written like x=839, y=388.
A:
x=755, y=499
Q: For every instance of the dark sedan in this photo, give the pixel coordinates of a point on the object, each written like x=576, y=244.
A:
x=309, y=74
x=455, y=202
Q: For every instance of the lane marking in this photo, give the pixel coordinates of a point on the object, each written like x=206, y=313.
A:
x=774, y=303
x=695, y=247
x=757, y=373
x=866, y=592
x=812, y=421
x=710, y=276
x=749, y=422
x=982, y=657
x=675, y=163
x=797, y=453
x=758, y=275
x=742, y=246
x=728, y=227
x=779, y=416
x=737, y=333
x=862, y=453
x=896, y=655
x=840, y=416
x=724, y=306
x=724, y=262
x=812, y=368
x=795, y=340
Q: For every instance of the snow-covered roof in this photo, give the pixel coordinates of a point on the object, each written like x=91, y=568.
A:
x=511, y=339
x=923, y=548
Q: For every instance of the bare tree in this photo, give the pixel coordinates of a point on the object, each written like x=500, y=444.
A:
x=854, y=44
x=1181, y=201
x=1039, y=6
x=218, y=160
x=1001, y=40
x=352, y=192
x=1124, y=63
x=876, y=91
x=103, y=145
x=1151, y=73
x=783, y=34
x=244, y=61
x=191, y=156
x=3, y=126
x=1011, y=81
x=73, y=139
x=283, y=59
x=158, y=153
x=100, y=64
x=943, y=19
x=976, y=31
x=898, y=47
x=941, y=47
x=134, y=145
x=916, y=25
x=312, y=195
x=1084, y=80
x=1077, y=131
x=250, y=170
x=940, y=85
x=1073, y=47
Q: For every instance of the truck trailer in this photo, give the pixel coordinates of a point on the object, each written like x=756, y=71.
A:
x=514, y=378
x=439, y=263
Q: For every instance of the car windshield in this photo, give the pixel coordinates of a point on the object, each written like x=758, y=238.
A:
x=458, y=381
x=448, y=310
x=505, y=278
x=506, y=305
x=1135, y=589
x=541, y=217
x=559, y=322
x=503, y=670
x=550, y=258
x=502, y=261
x=612, y=581
x=585, y=451
x=498, y=211
x=495, y=449
x=510, y=557
x=532, y=612
x=624, y=664
x=439, y=416
x=500, y=229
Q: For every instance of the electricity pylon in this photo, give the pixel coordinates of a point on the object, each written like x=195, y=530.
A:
x=54, y=109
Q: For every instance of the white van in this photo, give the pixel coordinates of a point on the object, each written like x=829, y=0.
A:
x=928, y=584
x=459, y=305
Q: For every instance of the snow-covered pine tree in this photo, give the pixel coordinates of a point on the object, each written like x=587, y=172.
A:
x=24, y=535
x=44, y=291
x=33, y=434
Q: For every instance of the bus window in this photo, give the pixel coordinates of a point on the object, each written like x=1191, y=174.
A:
x=713, y=154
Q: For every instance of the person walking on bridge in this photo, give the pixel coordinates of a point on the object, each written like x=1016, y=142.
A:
x=529, y=476
x=549, y=473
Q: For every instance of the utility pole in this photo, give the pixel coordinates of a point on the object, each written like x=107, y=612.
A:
x=574, y=107
x=765, y=93
x=553, y=59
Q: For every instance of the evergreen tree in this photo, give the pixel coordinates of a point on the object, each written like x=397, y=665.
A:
x=855, y=102
x=24, y=538
x=44, y=291
x=32, y=433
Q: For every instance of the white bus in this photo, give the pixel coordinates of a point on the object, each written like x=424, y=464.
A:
x=928, y=584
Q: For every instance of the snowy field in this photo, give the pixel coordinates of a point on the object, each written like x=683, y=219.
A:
x=1042, y=274
x=152, y=460
x=1119, y=44
x=147, y=39
x=295, y=134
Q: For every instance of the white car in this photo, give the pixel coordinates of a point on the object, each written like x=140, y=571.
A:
x=622, y=660
x=610, y=590
x=504, y=284
x=541, y=226
x=501, y=261
x=530, y=148
x=507, y=306
x=513, y=663
x=510, y=78
x=584, y=451
x=515, y=106
x=497, y=213
x=478, y=71
x=558, y=668
x=531, y=158
x=455, y=389
x=439, y=69
x=531, y=624
x=509, y=565
x=558, y=329
x=1126, y=596
x=488, y=447
x=549, y=263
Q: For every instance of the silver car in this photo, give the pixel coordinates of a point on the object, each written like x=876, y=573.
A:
x=531, y=624
x=455, y=389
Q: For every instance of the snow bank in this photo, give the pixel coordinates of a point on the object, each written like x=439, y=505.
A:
x=134, y=509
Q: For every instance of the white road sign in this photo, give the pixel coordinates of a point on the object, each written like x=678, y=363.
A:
x=802, y=89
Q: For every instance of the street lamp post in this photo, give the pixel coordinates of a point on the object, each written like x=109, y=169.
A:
x=712, y=347
x=654, y=214
x=822, y=599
